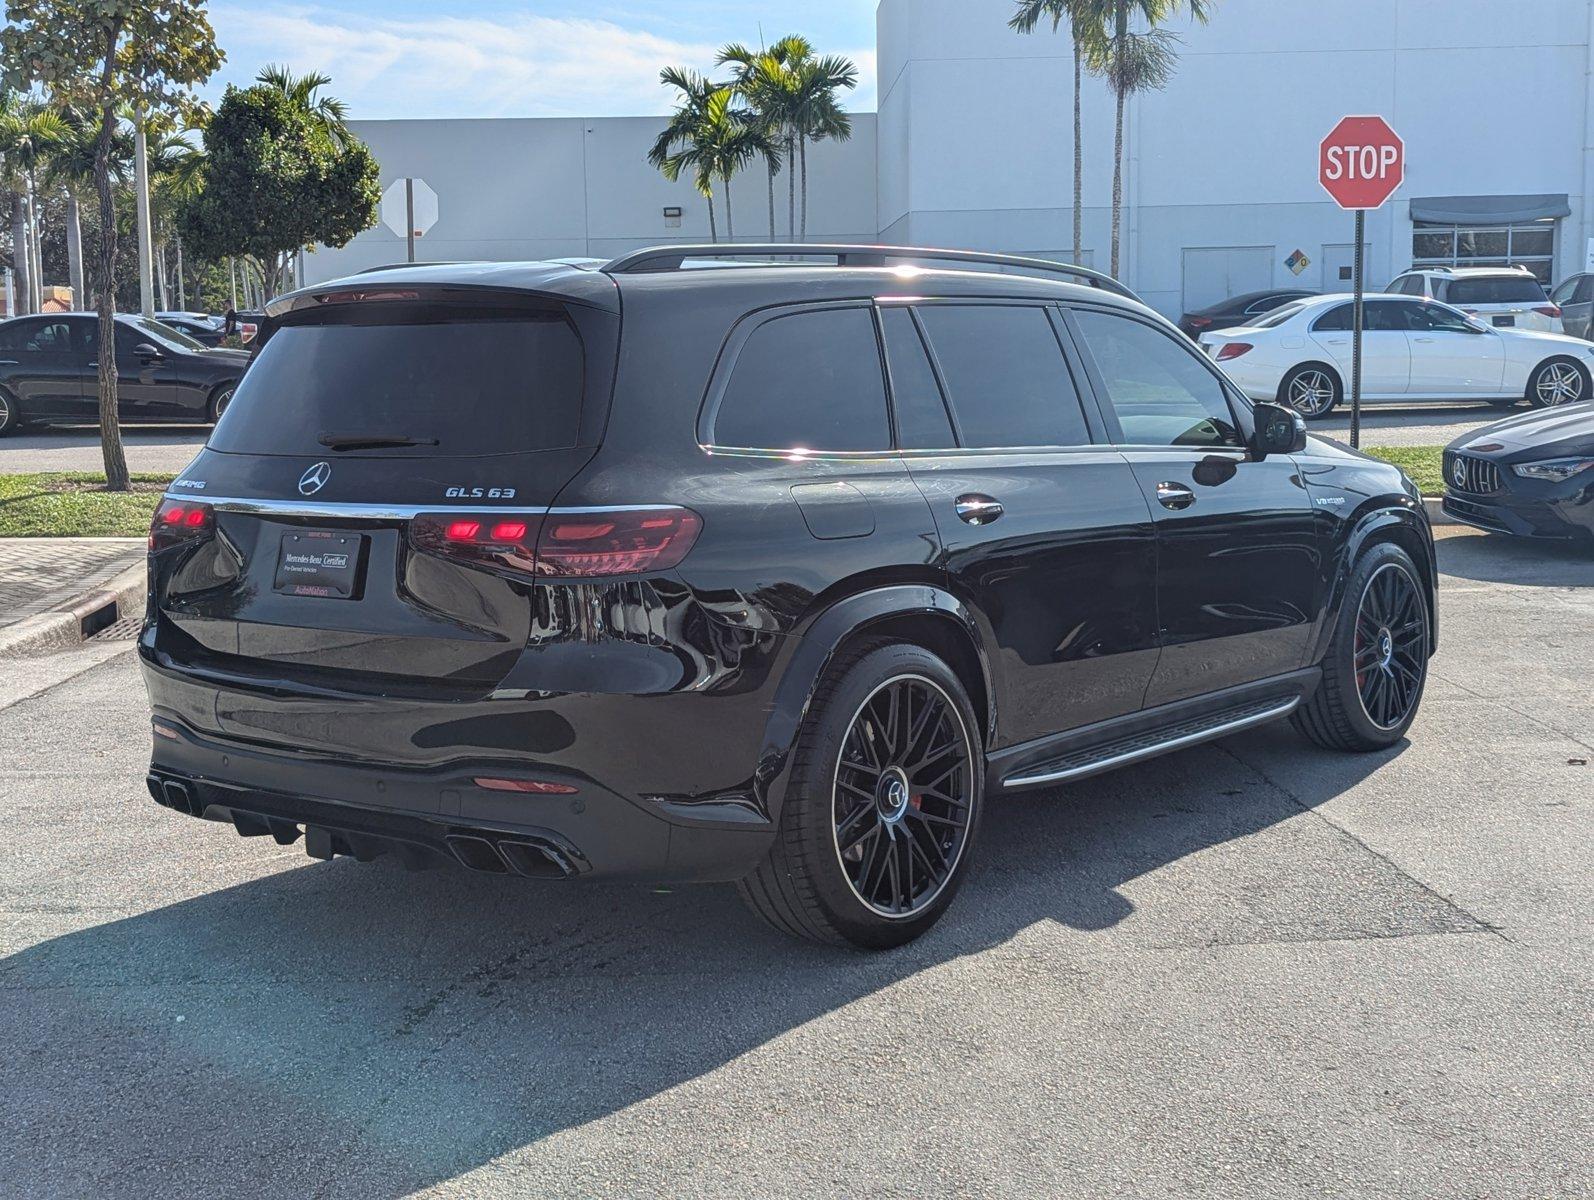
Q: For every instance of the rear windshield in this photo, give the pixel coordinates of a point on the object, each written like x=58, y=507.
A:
x=411, y=380
x=1504, y=289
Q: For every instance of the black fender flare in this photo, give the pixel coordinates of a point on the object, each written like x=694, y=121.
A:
x=817, y=645
x=1374, y=520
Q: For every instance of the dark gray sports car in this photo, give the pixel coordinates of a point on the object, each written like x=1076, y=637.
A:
x=1531, y=475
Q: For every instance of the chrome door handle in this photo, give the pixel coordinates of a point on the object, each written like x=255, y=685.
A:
x=976, y=509
x=1424, y=339
x=1174, y=495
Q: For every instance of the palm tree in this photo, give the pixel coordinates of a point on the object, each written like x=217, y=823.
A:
x=760, y=81
x=29, y=130
x=717, y=146
x=1131, y=62
x=680, y=133
x=814, y=111
x=330, y=113
x=1085, y=21
x=70, y=168
x=176, y=171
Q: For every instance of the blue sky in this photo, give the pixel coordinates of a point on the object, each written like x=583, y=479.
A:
x=407, y=58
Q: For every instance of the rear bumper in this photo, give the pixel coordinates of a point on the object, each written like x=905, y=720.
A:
x=370, y=776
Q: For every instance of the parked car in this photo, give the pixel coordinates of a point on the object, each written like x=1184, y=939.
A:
x=1531, y=474
x=1505, y=297
x=770, y=574
x=1300, y=355
x=1238, y=310
x=1574, y=296
x=203, y=328
x=49, y=371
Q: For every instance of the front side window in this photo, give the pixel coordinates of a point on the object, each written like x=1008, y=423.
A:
x=1378, y=316
x=1005, y=375
x=1162, y=393
x=1563, y=290
x=807, y=381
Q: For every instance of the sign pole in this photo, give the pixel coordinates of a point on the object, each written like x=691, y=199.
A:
x=409, y=216
x=1356, y=339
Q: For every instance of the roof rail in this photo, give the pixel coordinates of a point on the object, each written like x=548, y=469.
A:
x=672, y=258
x=425, y=262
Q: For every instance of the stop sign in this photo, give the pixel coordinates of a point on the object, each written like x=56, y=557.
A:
x=1361, y=162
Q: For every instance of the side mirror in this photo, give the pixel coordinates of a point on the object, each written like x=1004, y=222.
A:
x=145, y=350
x=1279, y=430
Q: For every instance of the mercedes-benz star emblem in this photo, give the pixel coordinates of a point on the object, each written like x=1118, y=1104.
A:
x=313, y=480
x=1458, y=472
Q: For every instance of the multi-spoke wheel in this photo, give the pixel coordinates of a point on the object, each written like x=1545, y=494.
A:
x=1377, y=661
x=1391, y=646
x=1310, y=390
x=220, y=401
x=1559, y=381
x=902, y=796
x=882, y=804
x=8, y=414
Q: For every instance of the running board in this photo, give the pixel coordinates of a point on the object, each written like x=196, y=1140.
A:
x=1134, y=747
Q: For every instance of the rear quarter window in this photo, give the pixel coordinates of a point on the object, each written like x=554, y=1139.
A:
x=457, y=380
x=806, y=381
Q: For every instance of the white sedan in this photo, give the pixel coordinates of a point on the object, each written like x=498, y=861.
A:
x=1412, y=349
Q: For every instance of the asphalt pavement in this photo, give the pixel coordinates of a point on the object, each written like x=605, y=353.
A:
x=170, y=448
x=1251, y=969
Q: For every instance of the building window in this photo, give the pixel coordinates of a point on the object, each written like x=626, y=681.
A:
x=1530, y=244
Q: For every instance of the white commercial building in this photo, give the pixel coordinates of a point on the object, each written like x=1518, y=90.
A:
x=972, y=147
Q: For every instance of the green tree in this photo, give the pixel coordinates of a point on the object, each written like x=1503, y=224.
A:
x=817, y=111
x=330, y=113
x=680, y=132
x=70, y=169
x=761, y=81
x=29, y=131
x=274, y=182
x=1084, y=19
x=105, y=54
x=1134, y=61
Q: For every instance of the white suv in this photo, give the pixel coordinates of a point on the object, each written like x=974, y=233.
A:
x=1507, y=297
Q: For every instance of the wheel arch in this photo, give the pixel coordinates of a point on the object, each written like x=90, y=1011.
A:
x=924, y=615
x=1398, y=521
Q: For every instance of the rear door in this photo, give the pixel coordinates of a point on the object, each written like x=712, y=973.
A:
x=378, y=483
x=44, y=364
x=1386, y=354
x=1236, y=545
x=1044, y=531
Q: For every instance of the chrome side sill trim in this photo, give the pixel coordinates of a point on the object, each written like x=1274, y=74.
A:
x=1121, y=760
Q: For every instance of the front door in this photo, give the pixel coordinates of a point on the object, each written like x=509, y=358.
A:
x=1386, y=355
x=145, y=390
x=1450, y=356
x=1236, y=546
x=1043, y=529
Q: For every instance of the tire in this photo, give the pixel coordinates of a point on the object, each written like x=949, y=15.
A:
x=1371, y=687
x=1558, y=381
x=220, y=399
x=10, y=414
x=860, y=818
x=1313, y=390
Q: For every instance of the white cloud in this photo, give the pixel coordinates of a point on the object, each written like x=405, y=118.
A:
x=439, y=66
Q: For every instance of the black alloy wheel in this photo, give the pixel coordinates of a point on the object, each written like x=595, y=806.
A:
x=1391, y=646
x=902, y=803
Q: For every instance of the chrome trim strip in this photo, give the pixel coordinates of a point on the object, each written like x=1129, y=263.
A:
x=1120, y=760
x=382, y=512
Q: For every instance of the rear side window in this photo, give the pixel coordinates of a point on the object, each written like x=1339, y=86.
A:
x=922, y=421
x=1161, y=392
x=1490, y=289
x=807, y=381
x=451, y=380
x=1005, y=375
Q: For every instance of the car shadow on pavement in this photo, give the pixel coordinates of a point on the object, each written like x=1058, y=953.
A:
x=1526, y=562
x=340, y=1029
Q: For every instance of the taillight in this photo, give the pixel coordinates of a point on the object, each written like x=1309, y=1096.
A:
x=1233, y=350
x=582, y=545
x=178, y=521
x=1548, y=310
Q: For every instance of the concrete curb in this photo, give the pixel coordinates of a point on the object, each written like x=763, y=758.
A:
x=1436, y=513
x=70, y=625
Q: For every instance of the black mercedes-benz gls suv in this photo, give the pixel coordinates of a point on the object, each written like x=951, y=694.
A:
x=772, y=565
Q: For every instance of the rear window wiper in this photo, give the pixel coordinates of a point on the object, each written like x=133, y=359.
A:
x=371, y=441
